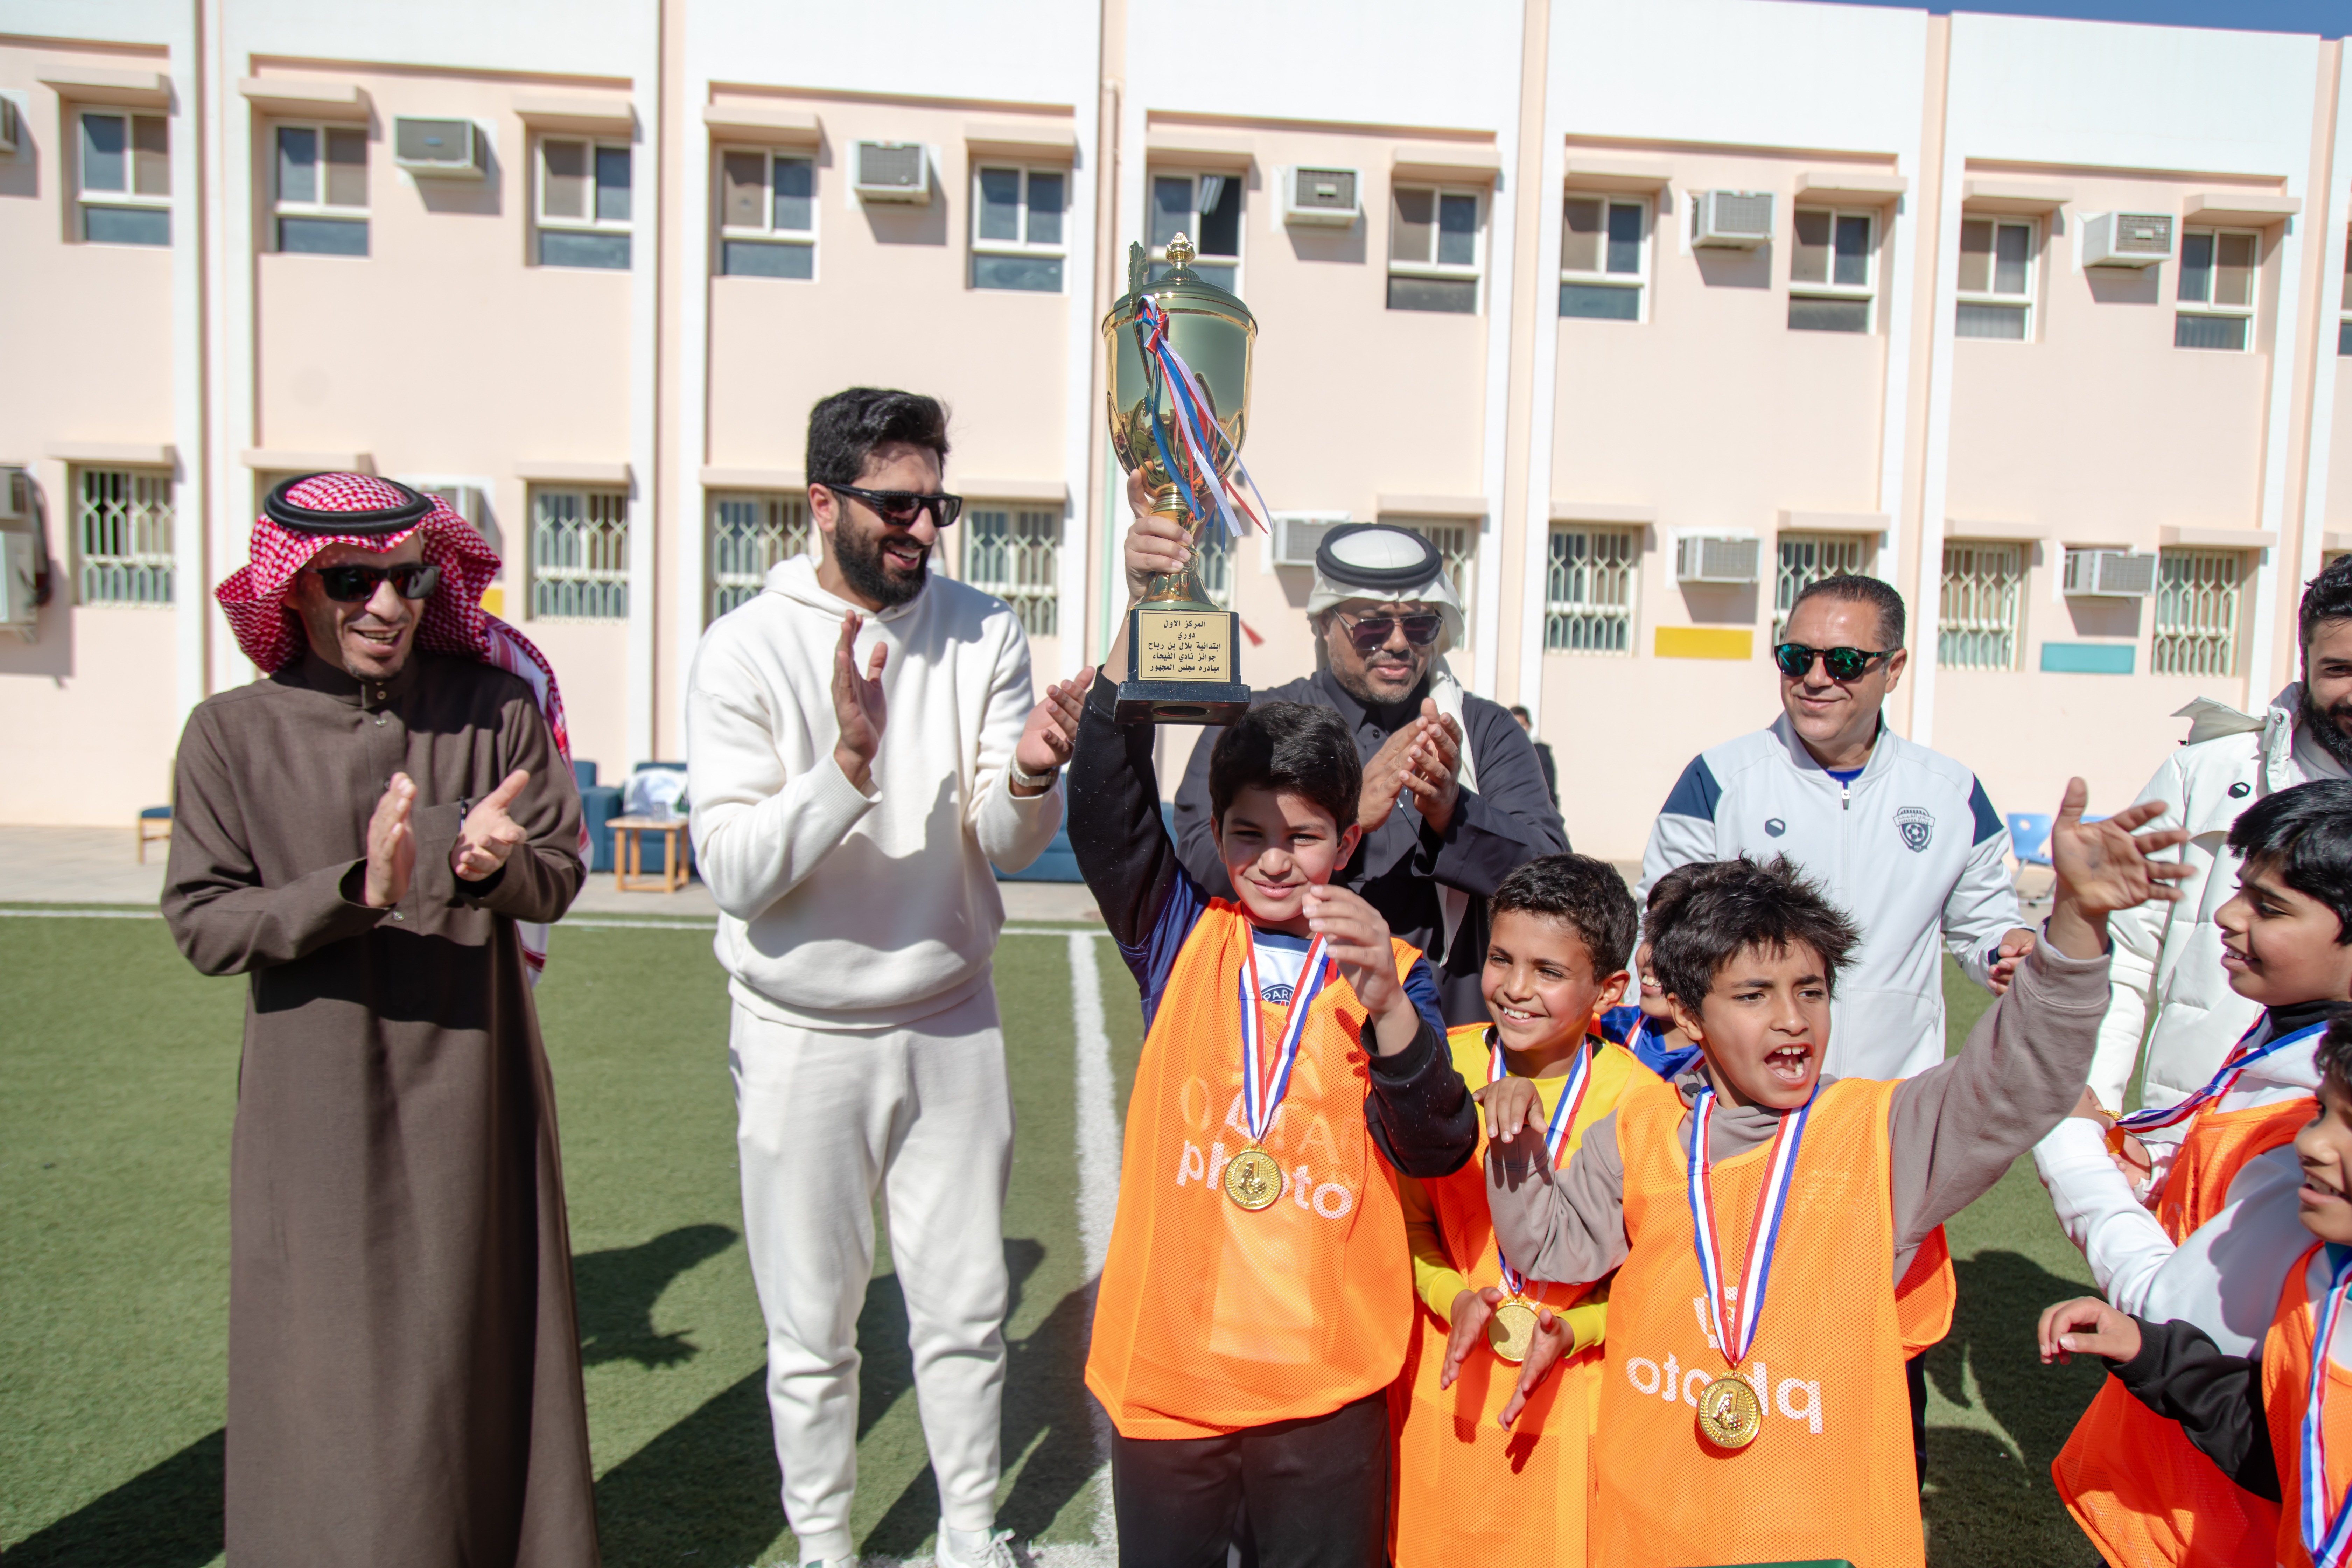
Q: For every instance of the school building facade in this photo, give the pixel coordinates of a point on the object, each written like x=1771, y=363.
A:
x=1646, y=314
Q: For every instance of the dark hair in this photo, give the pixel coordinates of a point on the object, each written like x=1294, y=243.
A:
x=2306, y=833
x=843, y=430
x=2327, y=597
x=1291, y=748
x=1724, y=906
x=1851, y=588
x=1670, y=886
x=2335, y=1052
x=1583, y=894
x=1518, y=710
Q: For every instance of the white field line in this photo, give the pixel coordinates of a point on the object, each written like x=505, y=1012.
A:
x=1098, y=1157
x=577, y=922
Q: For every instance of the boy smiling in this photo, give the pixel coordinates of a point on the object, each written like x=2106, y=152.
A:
x=1754, y=1169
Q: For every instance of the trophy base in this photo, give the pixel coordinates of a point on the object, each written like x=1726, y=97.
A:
x=1181, y=702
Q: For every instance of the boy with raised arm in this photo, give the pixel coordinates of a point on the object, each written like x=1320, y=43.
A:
x=1763, y=1214
x=1257, y=1294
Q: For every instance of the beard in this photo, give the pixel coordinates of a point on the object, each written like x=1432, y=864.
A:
x=866, y=569
x=2328, y=727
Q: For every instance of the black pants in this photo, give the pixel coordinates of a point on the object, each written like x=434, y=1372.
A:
x=1915, y=1372
x=1313, y=1493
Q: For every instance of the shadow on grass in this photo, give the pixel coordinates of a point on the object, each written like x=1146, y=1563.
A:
x=616, y=1289
x=1987, y=1504
x=168, y=1516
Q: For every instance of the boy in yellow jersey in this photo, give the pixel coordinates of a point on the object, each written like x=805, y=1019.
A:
x=1760, y=1215
x=1491, y=1453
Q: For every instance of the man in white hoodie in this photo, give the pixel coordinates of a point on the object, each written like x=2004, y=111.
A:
x=847, y=812
x=2169, y=960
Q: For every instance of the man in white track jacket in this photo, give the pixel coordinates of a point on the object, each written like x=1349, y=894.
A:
x=2167, y=960
x=1902, y=838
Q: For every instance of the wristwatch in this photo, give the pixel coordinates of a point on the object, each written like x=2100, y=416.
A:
x=1031, y=781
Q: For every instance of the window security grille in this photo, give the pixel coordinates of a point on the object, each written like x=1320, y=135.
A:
x=1014, y=556
x=1808, y=558
x=1589, y=599
x=580, y=555
x=122, y=536
x=1457, y=542
x=1977, y=611
x=1213, y=553
x=748, y=534
x=2197, y=596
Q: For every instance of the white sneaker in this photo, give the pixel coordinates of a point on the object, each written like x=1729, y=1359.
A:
x=975, y=1548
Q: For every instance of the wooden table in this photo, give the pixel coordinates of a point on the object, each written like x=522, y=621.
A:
x=629, y=875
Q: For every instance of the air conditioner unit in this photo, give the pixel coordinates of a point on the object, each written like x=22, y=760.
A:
x=1716, y=558
x=1739, y=220
x=893, y=172
x=16, y=498
x=2109, y=575
x=1321, y=196
x=2127, y=240
x=20, y=573
x=1298, y=533
x=9, y=136
x=440, y=149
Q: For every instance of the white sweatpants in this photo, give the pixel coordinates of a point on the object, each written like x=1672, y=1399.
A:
x=823, y=1119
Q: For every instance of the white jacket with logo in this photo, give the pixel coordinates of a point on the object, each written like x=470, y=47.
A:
x=2169, y=955
x=1912, y=851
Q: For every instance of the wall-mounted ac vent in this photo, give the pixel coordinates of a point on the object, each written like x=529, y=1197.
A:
x=2127, y=240
x=1298, y=533
x=20, y=577
x=1716, y=558
x=893, y=172
x=1739, y=220
x=10, y=134
x=1321, y=196
x=442, y=149
x=16, y=498
x=2109, y=575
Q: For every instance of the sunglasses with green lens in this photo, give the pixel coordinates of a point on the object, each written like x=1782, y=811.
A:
x=1796, y=660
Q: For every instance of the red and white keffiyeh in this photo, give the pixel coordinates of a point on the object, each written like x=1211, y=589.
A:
x=454, y=621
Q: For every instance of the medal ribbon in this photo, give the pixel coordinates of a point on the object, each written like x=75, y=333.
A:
x=1563, y=1116
x=2242, y=1056
x=2326, y=1532
x=1736, y=1330
x=1261, y=1100
x=1197, y=430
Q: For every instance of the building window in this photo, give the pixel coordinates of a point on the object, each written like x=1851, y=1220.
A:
x=1014, y=556
x=767, y=214
x=126, y=179
x=1806, y=558
x=322, y=190
x=2197, y=599
x=122, y=536
x=1433, y=249
x=749, y=535
x=2344, y=322
x=579, y=555
x=1016, y=228
x=1213, y=553
x=1831, y=271
x=1207, y=210
x=1604, y=258
x=1457, y=547
x=583, y=204
x=1996, y=281
x=1978, y=610
x=1589, y=599
x=2217, y=290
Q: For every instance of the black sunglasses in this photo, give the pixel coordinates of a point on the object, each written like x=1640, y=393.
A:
x=349, y=585
x=1370, y=633
x=1796, y=660
x=903, y=507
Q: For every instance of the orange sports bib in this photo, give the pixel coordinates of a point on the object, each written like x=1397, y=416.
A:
x=2287, y=1351
x=1210, y=1317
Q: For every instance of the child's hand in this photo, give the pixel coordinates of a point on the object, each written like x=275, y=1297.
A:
x=2088, y=1108
x=1554, y=1341
x=2015, y=944
x=1511, y=1105
x=2134, y=1160
x=2102, y=867
x=1156, y=544
x=1471, y=1310
x=1357, y=938
x=2087, y=1326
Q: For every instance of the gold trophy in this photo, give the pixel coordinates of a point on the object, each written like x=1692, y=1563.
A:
x=1179, y=382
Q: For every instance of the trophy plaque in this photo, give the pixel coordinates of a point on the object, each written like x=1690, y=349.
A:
x=1179, y=388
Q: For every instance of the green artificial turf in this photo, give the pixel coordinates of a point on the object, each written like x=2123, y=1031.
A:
x=118, y=1072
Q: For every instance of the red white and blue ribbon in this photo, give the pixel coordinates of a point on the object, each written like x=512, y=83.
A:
x=1735, y=1327
x=2327, y=1527
x=2239, y=1058
x=1197, y=431
x=1563, y=1116
x=1261, y=1098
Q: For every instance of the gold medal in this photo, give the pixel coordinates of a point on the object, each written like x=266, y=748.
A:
x=1730, y=1416
x=1511, y=1331
x=1252, y=1180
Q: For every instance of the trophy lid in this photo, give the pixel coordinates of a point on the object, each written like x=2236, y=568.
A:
x=1179, y=285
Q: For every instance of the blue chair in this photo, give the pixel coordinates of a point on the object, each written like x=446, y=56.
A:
x=2029, y=836
x=154, y=822
x=583, y=774
x=1059, y=863
x=651, y=851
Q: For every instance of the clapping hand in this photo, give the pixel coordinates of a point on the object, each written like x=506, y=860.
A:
x=1552, y=1342
x=1472, y=1309
x=390, y=845
x=489, y=835
x=858, y=705
x=1434, y=766
x=1053, y=729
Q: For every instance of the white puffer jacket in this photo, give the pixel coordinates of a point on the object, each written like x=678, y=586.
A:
x=2167, y=956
